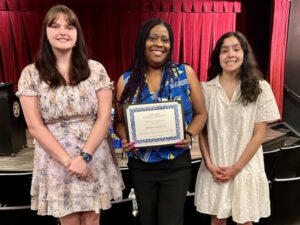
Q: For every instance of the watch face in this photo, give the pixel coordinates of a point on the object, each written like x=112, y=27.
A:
x=87, y=157
x=16, y=109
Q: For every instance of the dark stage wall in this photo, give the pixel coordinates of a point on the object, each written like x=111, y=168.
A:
x=291, y=110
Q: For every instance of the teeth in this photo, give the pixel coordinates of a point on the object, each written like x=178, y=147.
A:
x=157, y=53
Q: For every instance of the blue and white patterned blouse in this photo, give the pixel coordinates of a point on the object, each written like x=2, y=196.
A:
x=176, y=88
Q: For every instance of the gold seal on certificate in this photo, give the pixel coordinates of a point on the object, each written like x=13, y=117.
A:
x=154, y=124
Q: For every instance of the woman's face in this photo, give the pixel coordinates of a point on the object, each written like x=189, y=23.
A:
x=157, y=46
x=61, y=35
x=231, y=55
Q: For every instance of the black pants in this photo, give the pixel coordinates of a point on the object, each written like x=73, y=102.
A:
x=161, y=189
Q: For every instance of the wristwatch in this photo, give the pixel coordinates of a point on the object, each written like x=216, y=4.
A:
x=191, y=137
x=189, y=134
x=86, y=156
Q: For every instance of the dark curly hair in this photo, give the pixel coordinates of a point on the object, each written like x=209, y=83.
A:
x=249, y=73
x=46, y=60
x=137, y=80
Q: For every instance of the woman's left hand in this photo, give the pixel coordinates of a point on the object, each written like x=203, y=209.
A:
x=228, y=173
x=78, y=167
x=185, y=143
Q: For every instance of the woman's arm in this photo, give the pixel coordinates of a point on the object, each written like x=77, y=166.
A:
x=250, y=150
x=199, y=111
x=100, y=128
x=119, y=126
x=215, y=171
x=40, y=132
x=98, y=133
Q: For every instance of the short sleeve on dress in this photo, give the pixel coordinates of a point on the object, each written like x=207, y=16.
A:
x=100, y=77
x=205, y=93
x=267, y=109
x=204, y=86
x=28, y=81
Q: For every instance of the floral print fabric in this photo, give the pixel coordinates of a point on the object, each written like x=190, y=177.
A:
x=69, y=113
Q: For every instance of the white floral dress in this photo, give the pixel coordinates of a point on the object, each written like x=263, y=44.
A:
x=230, y=126
x=69, y=112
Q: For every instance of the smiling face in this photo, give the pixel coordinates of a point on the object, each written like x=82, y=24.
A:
x=231, y=55
x=62, y=35
x=157, y=46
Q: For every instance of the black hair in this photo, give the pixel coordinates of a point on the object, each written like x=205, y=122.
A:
x=249, y=73
x=137, y=80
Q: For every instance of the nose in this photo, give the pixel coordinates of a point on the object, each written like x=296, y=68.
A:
x=158, y=42
x=62, y=31
x=230, y=53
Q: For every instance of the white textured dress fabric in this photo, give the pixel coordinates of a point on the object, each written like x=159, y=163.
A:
x=230, y=126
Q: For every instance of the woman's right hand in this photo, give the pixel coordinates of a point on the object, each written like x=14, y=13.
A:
x=216, y=172
x=128, y=147
x=78, y=167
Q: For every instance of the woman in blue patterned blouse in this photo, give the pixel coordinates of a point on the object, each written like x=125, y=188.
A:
x=160, y=175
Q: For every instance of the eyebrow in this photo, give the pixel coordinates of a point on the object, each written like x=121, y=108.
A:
x=234, y=45
x=164, y=35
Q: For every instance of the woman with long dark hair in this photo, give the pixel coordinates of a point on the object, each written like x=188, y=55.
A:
x=160, y=175
x=232, y=180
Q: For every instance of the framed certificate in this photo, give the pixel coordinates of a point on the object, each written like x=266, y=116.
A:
x=154, y=124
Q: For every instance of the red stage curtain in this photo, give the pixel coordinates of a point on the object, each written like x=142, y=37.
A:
x=188, y=20
x=22, y=51
x=110, y=30
x=32, y=22
x=13, y=4
x=187, y=5
x=129, y=25
x=2, y=5
x=20, y=42
x=7, y=46
x=176, y=24
x=278, y=49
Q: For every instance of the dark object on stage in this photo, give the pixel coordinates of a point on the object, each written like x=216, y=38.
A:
x=285, y=198
x=119, y=213
x=274, y=140
x=270, y=160
x=12, y=130
x=288, y=164
x=15, y=201
x=195, y=167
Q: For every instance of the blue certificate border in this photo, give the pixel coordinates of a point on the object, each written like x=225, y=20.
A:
x=130, y=111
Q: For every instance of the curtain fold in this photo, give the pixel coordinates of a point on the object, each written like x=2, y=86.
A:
x=176, y=23
x=187, y=39
x=278, y=49
x=32, y=22
x=2, y=5
x=129, y=24
x=7, y=49
x=206, y=45
x=22, y=52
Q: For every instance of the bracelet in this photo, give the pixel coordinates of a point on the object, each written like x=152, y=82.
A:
x=86, y=156
x=189, y=134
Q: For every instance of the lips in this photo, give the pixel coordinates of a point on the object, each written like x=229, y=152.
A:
x=62, y=39
x=157, y=52
x=230, y=62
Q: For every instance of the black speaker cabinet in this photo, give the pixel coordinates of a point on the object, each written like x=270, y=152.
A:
x=12, y=123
